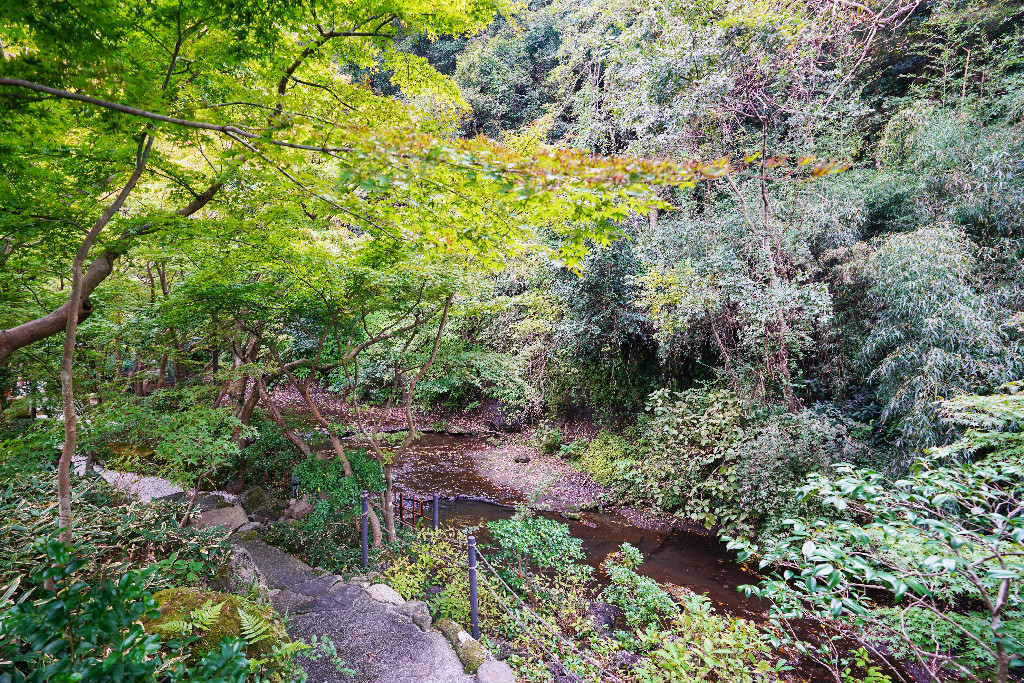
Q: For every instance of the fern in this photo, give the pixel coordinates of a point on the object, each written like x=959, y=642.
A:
x=255, y=629
x=201, y=618
x=205, y=616
x=290, y=648
x=280, y=657
x=175, y=626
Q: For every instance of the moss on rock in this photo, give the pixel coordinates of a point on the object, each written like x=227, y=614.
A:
x=472, y=654
x=178, y=603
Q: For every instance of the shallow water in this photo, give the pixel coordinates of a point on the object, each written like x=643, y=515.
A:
x=444, y=464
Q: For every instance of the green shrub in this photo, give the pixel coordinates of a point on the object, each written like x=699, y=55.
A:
x=575, y=450
x=700, y=645
x=548, y=438
x=526, y=545
x=92, y=633
x=438, y=558
x=328, y=537
x=175, y=433
x=266, y=461
x=643, y=602
x=706, y=456
x=116, y=532
x=602, y=455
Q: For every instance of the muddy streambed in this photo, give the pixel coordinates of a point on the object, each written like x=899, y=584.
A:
x=446, y=464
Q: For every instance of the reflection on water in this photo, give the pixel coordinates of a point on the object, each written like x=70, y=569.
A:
x=699, y=562
x=444, y=464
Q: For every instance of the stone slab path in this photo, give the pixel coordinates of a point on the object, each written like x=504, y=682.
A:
x=384, y=638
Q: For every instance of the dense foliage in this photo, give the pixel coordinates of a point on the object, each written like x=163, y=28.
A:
x=240, y=241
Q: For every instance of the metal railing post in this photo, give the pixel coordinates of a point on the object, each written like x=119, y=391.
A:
x=435, y=513
x=474, y=615
x=366, y=525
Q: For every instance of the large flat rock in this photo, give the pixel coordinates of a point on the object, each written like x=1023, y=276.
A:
x=382, y=645
x=381, y=641
x=278, y=569
x=230, y=518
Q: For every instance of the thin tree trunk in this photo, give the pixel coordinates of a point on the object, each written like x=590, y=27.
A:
x=336, y=445
x=302, y=386
x=378, y=536
x=162, y=374
x=71, y=332
x=275, y=416
x=388, y=505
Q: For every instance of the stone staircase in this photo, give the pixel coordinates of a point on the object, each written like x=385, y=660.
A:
x=376, y=632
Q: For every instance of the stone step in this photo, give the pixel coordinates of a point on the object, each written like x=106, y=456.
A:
x=277, y=569
x=382, y=641
x=315, y=586
x=297, y=603
x=382, y=645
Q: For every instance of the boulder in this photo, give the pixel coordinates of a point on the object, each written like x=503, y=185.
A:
x=267, y=514
x=258, y=497
x=250, y=526
x=299, y=509
x=625, y=660
x=230, y=518
x=176, y=604
x=521, y=458
x=471, y=653
x=384, y=593
x=560, y=675
x=603, y=617
x=204, y=501
x=359, y=580
x=502, y=418
x=492, y=671
x=418, y=612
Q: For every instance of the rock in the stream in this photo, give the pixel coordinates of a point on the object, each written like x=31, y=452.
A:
x=384, y=593
x=521, y=458
x=230, y=518
x=492, y=671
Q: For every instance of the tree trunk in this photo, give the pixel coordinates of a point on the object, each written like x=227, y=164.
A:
x=162, y=374
x=275, y=416
x=71, y=332
x=387, y=504
x=339, y=449
x=378, y=537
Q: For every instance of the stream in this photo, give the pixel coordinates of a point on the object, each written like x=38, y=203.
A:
x=444, y=463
